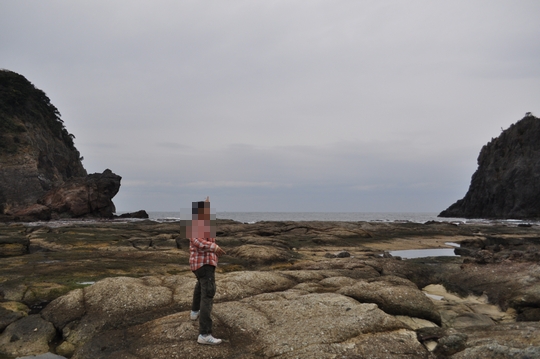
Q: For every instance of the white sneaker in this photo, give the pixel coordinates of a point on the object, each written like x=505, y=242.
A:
x=194, y=315
x=208, y=339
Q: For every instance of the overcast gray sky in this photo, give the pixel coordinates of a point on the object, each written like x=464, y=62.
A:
x=289, y=105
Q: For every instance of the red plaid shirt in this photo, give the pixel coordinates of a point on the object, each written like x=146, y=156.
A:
x=201, y=250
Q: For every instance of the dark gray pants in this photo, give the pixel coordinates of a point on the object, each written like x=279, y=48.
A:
x=203, y=296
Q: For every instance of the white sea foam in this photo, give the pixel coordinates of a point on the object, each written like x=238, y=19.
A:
x=397, y=217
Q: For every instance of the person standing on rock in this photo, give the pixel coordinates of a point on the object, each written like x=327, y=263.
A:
x=203, y=259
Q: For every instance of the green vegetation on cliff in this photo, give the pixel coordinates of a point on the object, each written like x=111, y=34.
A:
x=36, y=151
x=22, y=103
x=505, y=185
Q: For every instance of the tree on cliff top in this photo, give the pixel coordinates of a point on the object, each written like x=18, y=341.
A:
x=20, y=99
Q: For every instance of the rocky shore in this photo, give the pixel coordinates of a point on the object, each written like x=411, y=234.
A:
x=122, y=289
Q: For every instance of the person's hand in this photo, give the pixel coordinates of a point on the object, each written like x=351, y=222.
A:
x=207, y=199
x=220, y=251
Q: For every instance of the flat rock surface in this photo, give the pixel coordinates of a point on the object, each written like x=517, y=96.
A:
x=123, y=290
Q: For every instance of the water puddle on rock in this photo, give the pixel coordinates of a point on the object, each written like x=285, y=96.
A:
x=434, y=296
x=420, y=253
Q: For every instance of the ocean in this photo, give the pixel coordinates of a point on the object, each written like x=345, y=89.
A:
x=253, y=217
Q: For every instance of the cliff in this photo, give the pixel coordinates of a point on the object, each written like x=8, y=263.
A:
x=37, y=156
x=507, y=181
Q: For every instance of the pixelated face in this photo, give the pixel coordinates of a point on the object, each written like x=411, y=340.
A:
x=202, y=223
x=204, y=213
x=202, y=228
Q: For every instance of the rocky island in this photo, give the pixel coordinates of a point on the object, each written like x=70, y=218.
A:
x=506, y=183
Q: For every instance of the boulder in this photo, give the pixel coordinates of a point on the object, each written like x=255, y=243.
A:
x=457, y=311
x=271, y=325
x=111, y=302
x=122, y=301
x=7, y=317
x=509, y=284
x=29, y=335
x=450, y=344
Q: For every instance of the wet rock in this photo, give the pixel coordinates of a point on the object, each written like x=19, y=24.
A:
x=483, y=257
x=13, y=291
x=29, y=335
x=528, y=314
x=142, y=214
x=465, y=252
x=13, y=246
x=7, y=317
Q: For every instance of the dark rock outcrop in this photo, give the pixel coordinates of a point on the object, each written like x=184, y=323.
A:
x=41, y=173
x=36, y=151
x=142, y=214
x=88, y=196
x=506, y=183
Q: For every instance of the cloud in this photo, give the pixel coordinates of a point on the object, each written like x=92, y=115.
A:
x=276, y=105
x=235, y=184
